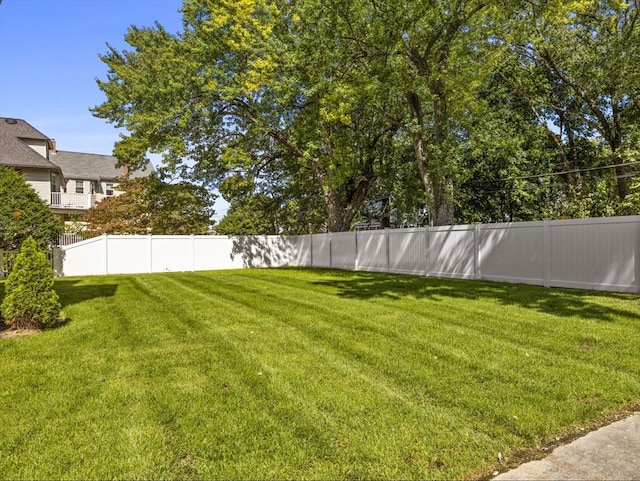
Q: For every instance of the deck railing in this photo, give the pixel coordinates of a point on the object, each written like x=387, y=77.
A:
x=64, y=200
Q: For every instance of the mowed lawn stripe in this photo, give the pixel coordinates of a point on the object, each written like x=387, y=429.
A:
x=472, y=334
x=284, y=409
x=290, y=373
x=459, y=357
x=349, y=376
x=536, y=362
x=499, y=372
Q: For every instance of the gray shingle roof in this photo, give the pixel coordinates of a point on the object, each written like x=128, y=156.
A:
x=78, y=165
x=73, y=165
x=14, y=152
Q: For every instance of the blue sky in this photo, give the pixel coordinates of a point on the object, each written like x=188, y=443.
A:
x=49, y=63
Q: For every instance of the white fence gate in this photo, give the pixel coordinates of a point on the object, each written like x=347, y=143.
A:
x=601, y=253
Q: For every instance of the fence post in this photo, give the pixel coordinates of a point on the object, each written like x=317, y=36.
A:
x=106, y=254
x=311, y=248
x=427, y=252
x=546, y=251
x=355, y=234
x=330, y=250
x=476, y=251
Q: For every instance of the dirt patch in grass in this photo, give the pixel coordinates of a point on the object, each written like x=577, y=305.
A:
x=8, y=333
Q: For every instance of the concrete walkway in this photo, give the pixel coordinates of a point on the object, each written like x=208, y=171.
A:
x=610, y=453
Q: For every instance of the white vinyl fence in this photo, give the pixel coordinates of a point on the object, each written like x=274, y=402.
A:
x=601, y=253
x=131, y=254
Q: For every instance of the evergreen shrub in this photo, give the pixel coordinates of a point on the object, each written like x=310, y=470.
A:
x=30, y=300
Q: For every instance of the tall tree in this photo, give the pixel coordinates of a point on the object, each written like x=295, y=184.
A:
x=580, y=67
x=504, y=145
x=252, y=88
x=440, y=52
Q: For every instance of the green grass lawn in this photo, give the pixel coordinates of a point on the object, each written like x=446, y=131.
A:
x=296, y=374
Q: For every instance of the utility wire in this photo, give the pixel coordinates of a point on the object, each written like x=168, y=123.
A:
x=550, y=185
x=575, y=171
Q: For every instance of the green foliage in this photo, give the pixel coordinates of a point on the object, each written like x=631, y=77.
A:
x=30, y=300
x=150, y=205
x=264, y=92
x=579, y=64
x=253, y=216
x=506, y=107
x=262, y=214
x=23, y=214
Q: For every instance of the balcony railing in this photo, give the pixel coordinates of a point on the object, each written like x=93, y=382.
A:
x=63, y=200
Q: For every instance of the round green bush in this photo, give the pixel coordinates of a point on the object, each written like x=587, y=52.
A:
x=30, y=300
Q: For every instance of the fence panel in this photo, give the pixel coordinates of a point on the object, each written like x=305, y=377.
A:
x=321, y=250
x=343, y=250
x=595, y=254
x=276, y=251
x=301, y=250
x=450, y=252
x=407, y=251
x=171, y=253
x=128, y=254
x=373, y=251
x=86, y=258
x=513, y=252
x=216, y=252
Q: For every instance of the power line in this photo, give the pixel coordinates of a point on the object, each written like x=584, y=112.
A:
x=548, y=186
x=575, y=171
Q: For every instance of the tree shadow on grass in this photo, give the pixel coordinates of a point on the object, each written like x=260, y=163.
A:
x=556, y=301
x=71, y=293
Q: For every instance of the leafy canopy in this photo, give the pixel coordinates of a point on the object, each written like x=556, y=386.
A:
x=23, y=213
x=149, y=205
x=284, y=101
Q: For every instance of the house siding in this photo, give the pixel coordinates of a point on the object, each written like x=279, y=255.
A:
x=40, y=180
x=40, y=146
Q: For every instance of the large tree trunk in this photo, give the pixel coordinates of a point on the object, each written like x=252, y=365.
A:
x=433, y=170
x=340, y=213
x=438, y=187
x=342, y=204
x=621, y=174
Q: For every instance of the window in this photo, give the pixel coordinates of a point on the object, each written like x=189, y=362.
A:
x=79, y=187
x=108, y=188
x=55, y=183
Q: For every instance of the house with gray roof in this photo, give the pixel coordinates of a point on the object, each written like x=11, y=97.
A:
x=69, y=182
x=26, y=149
